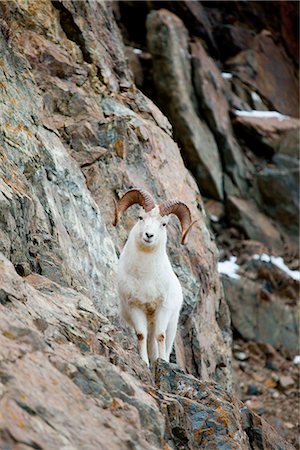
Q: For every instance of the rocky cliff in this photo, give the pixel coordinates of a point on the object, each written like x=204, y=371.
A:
x=76, y=132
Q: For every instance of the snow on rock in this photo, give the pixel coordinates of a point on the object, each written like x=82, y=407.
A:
x=226, y=75
x=255, y=97
x=229, y=267
x=278, y=262
x=296, y=360
x=214, y=218
x=261, y=114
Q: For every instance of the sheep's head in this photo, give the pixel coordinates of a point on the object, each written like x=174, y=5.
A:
x=151, y=227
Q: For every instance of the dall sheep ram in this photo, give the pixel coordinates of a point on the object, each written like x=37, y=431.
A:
x=150, y=292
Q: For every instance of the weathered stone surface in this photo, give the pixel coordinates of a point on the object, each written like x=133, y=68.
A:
x=195, y=19
x=278, y=192
x=168, y=44
x=192, y=422
x=245, y=215
x=266, y=68
x=211, y=92
x=232, y=39
x=120, y=139
x=58, y=388
x=49, y=220
x=264, y=308
x=267, y=135
x=61, y=387
x=75, y=132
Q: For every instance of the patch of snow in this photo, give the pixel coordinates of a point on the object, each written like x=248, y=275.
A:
x=214, y=218
x=255, y=97
x=261, y=114
x=229, y=267
x=226, y=75
x=296, y=360
x=278, y=262
x=137, y=51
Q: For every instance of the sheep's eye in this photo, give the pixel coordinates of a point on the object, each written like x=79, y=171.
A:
x=164, y=224
x=140, y=218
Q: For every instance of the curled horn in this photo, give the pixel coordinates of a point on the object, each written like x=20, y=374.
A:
x=139, y=196
x=182, y=212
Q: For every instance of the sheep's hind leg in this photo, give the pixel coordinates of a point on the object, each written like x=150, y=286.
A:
x=171, y=334
x=139, y=321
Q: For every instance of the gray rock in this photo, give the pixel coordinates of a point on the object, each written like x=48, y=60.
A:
x=168, y=44
x=211, y=94
x=265, y=67
x=278, y=192
x=259, y=318
x=245, y=215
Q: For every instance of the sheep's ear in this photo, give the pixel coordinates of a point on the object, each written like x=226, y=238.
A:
x=139, y=196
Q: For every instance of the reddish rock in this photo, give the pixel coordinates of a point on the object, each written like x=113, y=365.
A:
x=265, y=67
x=269, y=135
x=245, y=215
x=211, y=93
x=56, y=219
x=172, y=74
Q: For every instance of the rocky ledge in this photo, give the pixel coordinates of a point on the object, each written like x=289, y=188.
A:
x=69, y=379
x=76, y=133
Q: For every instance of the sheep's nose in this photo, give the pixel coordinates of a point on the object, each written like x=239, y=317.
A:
x=149, y=236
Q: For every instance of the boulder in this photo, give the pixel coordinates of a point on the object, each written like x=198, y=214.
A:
x=269, y=135
x=232, y=39
x=245, y=215
x=260, y=314
x=211, y=94
x=265, y=67
x=201, y=416
x=278, y=193
x=59, y=383
x=168, y=43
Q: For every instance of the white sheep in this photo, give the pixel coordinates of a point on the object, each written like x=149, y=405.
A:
x=150, y=292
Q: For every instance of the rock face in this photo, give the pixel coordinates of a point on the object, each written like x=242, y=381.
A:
x=168, y=43
x=265, y=67
x=75, y=134
x=120, y=139
x=70, y=379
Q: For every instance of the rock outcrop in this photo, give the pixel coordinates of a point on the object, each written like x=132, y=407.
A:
x=77, y=148
x=71, y=379
x=75, y=134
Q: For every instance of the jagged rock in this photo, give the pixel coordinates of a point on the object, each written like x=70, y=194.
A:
x=232, y=39
x=168, y=44
x=75, y=132
x=61, y=387
x=201, y=415
x=259, y=312
x=211, y=92
x=57, y=222
x=278, y=192
x=265, y=67
x=276, y=139
x=195, y=18
x=267, y=135
x=58, y=386
x=245, y=215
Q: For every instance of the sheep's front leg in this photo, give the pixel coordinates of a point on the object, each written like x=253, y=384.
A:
x=171, y=333
x=139, y=321
x=161, y=323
